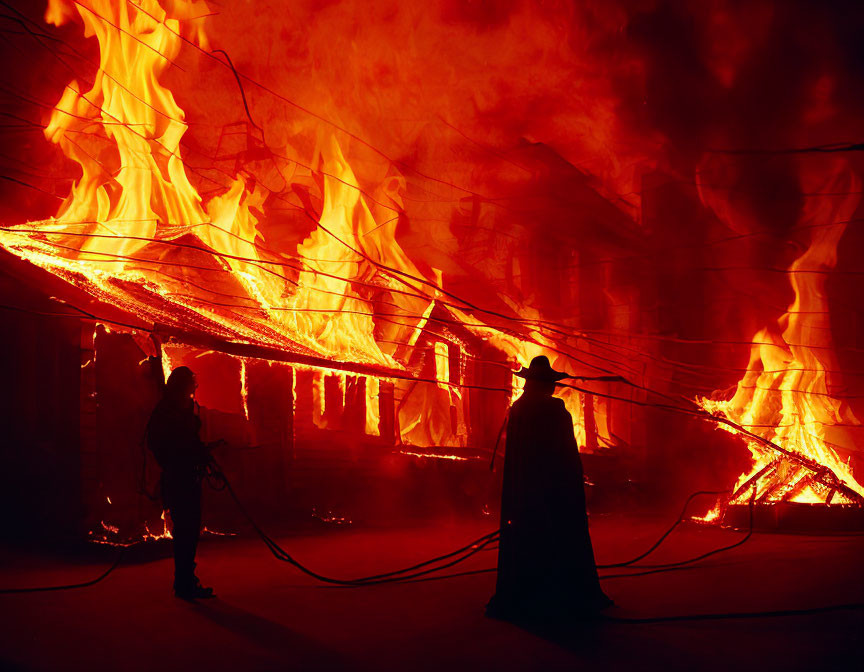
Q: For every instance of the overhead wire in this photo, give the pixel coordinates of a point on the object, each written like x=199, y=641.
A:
x=230, y=65
x=658, y=567
x=575, y=333
x=248, y=113
x=237, y=76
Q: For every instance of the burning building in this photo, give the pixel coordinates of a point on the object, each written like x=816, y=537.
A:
x=354, y=242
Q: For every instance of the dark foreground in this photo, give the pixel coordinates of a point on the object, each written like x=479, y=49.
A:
x=269, y=617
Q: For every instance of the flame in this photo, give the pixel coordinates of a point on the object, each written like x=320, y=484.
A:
x=787, y=394
x=373, y=414
x=129, y=115
x=244, y=393
x=433, y=456
x=134, y=232
x=712, y=516
x=111, y=529
x=164, y=534
x=320, y=400
x=134, y=200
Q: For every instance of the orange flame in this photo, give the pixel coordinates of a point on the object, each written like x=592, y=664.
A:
x=134, y=231
x=787, y=394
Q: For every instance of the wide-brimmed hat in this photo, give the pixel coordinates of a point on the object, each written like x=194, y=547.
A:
x=541, y=369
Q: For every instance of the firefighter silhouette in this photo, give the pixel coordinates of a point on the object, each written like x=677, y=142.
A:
x=173, y=437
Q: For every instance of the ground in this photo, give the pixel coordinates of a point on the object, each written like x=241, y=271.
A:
x=269, y=617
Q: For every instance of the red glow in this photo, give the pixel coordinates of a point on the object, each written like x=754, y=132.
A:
x=401, y=203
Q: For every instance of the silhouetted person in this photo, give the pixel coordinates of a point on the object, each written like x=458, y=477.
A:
x=173, y=436
x=546, y=569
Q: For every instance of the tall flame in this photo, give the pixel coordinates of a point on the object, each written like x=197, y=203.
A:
x=125, y=131
x=136, y=233
x=787, y=395
x=134, y=194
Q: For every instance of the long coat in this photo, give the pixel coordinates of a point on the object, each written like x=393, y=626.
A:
x=546, y=566
x=173, y=437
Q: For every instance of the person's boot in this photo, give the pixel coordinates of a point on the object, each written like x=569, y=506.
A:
x=193, y=591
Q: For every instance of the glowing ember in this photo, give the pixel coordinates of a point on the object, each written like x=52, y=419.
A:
x=712, y=516
x=207, y=531
x=164, y=534
x=111, y=529
x=330, y=517
x=244, y=392
x=110, y=534
x=434, y=456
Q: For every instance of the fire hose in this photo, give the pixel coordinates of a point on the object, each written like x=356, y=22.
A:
x=474, y=547
x=219, y=481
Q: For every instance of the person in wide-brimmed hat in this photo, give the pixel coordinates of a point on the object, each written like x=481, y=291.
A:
x=540, y=369
x=546, y=569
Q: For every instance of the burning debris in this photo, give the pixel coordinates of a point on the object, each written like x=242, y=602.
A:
x=790, y=399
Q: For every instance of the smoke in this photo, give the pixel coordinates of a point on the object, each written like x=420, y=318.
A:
x=461, y=118
x=454, y=91
x=443, y=89
x=616, y=88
